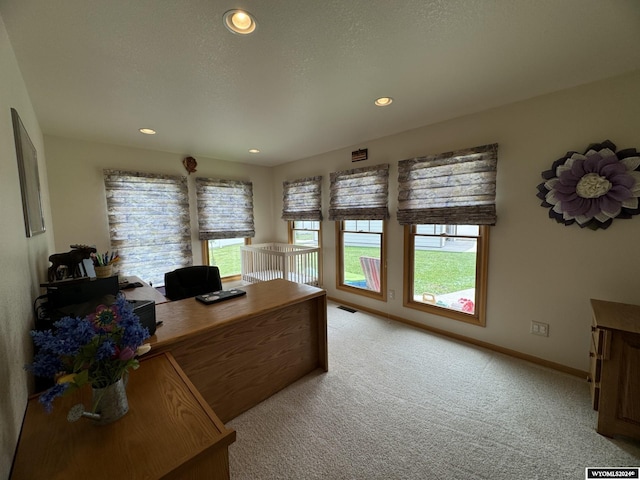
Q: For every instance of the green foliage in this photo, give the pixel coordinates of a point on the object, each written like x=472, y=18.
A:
x=444, y=272
x=436, y=272
x=227, y=259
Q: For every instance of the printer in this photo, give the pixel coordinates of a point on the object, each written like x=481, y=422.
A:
x=80, y=297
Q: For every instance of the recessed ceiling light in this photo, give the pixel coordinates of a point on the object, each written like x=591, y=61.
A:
x=383, y=101
x=254, y=150
x=147, y=131
x=239, y=21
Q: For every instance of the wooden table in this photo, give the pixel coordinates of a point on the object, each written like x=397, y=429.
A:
x=170, y=432
x=241, y=351
x=615, y=367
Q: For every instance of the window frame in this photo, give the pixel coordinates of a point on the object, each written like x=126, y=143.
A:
x=291, y=231
x=482, y=274
x=205, y=259
x=290, y=238
x=340, y=285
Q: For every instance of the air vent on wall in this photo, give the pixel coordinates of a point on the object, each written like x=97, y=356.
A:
x=359, y=155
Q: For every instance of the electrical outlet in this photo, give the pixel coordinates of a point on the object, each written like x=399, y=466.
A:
x=392, y=294
x=540, y=328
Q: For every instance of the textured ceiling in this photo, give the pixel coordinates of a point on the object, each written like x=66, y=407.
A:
x=304, y=83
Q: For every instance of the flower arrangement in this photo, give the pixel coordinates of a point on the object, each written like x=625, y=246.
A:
x=593, y=188
x=98, y=349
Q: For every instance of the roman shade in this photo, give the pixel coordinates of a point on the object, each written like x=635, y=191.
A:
x=360, y=194
x=301, y=199
x=454, y=188
x=148, y=222
x=225, y=208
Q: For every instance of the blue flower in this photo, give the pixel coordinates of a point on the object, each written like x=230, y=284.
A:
x=45, y=365
x=79, y=329
x=46, y=399
x=89, y=349
x=106, y=350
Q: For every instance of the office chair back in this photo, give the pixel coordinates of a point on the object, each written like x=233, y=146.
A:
x=188, y=282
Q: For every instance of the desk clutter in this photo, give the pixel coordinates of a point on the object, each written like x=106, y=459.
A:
x=82, y=261
x=129, y=285
x=78, y=298
x=219, y=296
x=70, y=264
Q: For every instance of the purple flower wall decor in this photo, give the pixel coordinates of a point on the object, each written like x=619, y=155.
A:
x=593, y=188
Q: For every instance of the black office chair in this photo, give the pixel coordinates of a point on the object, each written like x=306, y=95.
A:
x=188, y=282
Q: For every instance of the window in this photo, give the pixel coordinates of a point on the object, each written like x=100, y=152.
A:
x=361, y=260
x=359, y=201
x=301, y=206
x=225, y=222
x=305, y=232
x=225, y=254
x=301, y=199
x=148, y=222
x=447, y=203
x=448, y=270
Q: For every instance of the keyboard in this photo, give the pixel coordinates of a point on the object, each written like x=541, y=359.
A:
x=220, y=296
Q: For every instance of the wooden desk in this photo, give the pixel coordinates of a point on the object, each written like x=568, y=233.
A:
x=145, y=292
x=615, y=367
x=169, y=433
x=241, y=351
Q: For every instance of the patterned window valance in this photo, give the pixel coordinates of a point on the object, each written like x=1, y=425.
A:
x=148, y=222
x=225, y=208
x=454, y=188
x=360, y=194
x=302, y=199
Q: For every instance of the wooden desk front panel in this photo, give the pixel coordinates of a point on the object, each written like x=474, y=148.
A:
x=237, y=366
x=239, y=352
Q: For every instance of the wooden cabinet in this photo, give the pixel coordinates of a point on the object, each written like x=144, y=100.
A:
x=169, y=433
x=615, y=367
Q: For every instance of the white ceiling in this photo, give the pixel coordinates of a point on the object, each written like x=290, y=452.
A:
x=304, y=83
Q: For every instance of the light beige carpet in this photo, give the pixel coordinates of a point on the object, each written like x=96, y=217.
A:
x=400, y=403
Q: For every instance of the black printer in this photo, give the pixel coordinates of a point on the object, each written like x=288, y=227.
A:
x=80, y=297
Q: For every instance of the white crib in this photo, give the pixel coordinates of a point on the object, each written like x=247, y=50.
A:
x=268, y=261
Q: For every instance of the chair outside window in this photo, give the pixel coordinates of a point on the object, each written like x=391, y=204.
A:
x=371, y=269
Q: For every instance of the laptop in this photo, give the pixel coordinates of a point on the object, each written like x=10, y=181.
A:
x=219, y=296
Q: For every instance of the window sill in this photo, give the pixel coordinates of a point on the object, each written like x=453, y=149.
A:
x=363, y=292
x=476, y=319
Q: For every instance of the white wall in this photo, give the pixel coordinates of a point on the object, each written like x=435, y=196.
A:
x=78, y=199
x=538, y=269
x=23, y=260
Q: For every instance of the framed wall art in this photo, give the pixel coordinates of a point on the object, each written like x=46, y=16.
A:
x=29, y=178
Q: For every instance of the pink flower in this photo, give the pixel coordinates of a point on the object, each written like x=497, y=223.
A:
x=105, y=318
x=127, y=353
